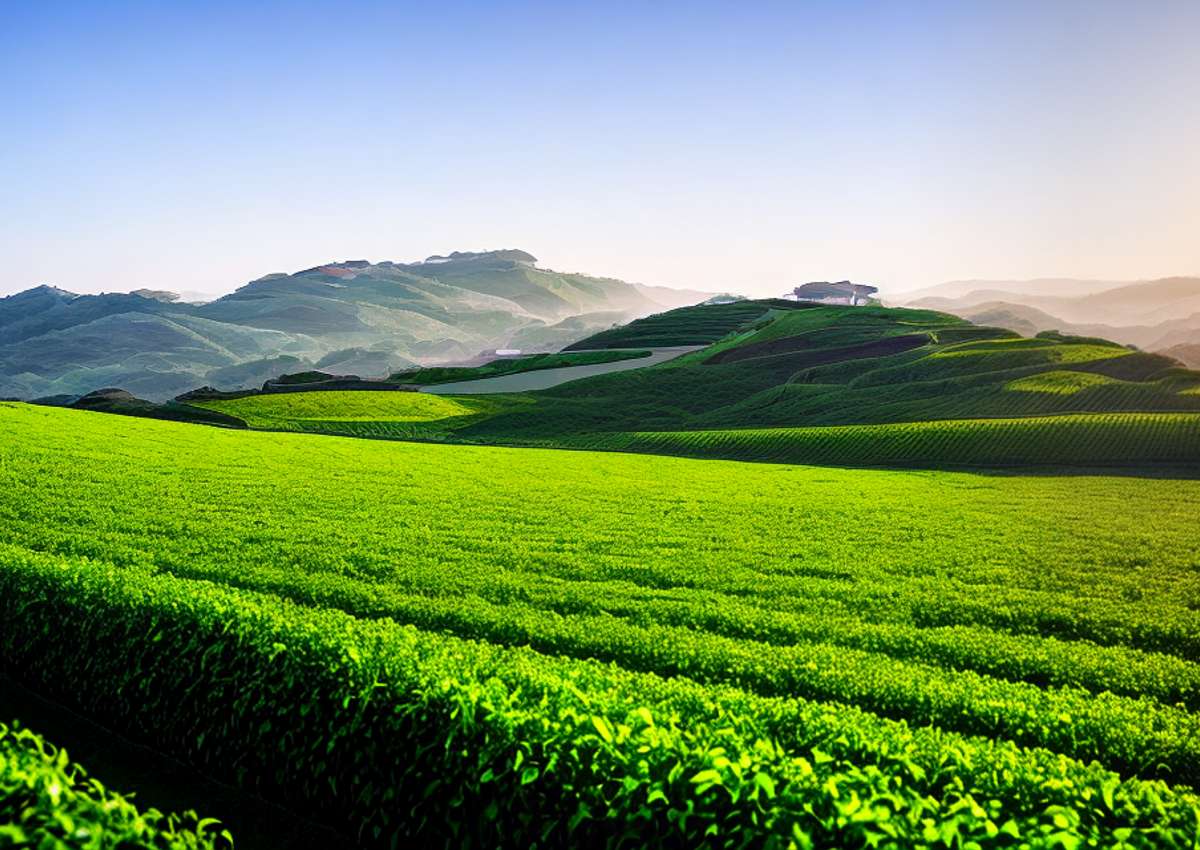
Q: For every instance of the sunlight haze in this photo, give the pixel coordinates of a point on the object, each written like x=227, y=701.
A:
x=194, y=147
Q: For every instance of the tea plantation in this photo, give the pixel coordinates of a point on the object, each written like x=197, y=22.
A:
x=48, y=801
x=792, y=382
x=461, y=646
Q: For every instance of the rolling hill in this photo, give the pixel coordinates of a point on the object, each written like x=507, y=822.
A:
x=1155, y=315
x=354, y=317
x=782, y=380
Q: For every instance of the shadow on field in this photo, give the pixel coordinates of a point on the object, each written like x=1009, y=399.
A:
x=156, y=781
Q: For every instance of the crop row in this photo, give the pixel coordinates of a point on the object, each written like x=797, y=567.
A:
x=1095, y=439
x=1109, y=563
x=1138, y=736
x=427, y=737
x=48, y=801
x=1024, y=658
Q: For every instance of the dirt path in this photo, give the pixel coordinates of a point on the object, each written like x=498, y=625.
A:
x=541, y=379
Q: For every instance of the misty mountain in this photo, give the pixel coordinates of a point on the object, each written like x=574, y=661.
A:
x=353, y=317
x=978, y=290
x=1156, y=315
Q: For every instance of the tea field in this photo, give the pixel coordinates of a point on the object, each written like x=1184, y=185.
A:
x=447, y=645
x=49, y=801
x=1084, y=440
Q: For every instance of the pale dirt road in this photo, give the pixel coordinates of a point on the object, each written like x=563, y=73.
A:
x=542, y=379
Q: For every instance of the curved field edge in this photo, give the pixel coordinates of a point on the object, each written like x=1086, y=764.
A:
x=48, y=800
x=1081, y=440
x=407, y=734
x=515, y=528
x=270, y=410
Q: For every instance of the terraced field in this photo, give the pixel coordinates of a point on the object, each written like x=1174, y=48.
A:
x=470, y=646
x=1113, y=439
x=775, y=373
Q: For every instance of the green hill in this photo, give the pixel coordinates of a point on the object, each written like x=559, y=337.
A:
x=356, y=317
x=777, y=379
x=781, y=367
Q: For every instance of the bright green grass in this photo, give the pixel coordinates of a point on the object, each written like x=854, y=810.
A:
x=1012, y=353
x=1058, y=382
x=1053, y=612
x=313, y=410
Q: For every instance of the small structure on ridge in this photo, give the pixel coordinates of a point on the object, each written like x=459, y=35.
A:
x=839, y=292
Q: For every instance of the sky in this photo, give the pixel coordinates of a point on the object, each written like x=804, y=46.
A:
x=734, y=146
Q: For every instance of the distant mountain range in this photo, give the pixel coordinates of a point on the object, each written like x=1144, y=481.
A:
x=1156, y=315
x=353, y=317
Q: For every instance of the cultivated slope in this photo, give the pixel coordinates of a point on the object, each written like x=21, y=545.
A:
x=789, y=365
x=774, y=376
x=541, y=648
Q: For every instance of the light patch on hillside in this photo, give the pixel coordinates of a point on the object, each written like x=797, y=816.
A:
x=340, y=406
x=1058, y=382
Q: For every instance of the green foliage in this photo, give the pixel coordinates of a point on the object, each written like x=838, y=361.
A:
x=822, y=366
x=699, y=325
x=48, y=801
x=1059, y=383
x=309, y=377
x=427, y=645
x=412, y=736
x=777, y=371
x=1114, y=439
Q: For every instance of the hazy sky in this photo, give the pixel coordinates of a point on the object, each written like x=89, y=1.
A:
x=744, y=146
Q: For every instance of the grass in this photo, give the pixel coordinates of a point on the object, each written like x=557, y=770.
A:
x=914, y=636
x=832, y=366
x=785, y=368
x=386, y=413
x=700, y=325
x=1058, y=383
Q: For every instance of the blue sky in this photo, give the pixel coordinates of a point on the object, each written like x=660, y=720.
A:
x=742, y=146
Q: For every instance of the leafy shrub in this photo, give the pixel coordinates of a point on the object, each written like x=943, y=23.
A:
x=409, y=736
x=48, y=801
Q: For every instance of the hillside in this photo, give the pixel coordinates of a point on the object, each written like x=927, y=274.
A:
x=354, y=317
x=780, y=380
x=545, y=637
x=1154, y=315
x=797, y=365
x=1187, y=354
